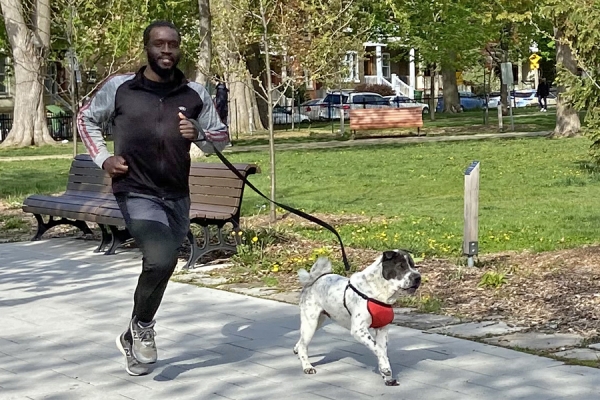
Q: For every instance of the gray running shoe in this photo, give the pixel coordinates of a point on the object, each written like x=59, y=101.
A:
x=144, y=348
x=132, y=365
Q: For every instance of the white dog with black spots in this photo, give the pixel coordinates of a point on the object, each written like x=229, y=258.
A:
x=361, y=303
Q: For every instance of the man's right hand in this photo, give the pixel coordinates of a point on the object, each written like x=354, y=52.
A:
x=115, y=166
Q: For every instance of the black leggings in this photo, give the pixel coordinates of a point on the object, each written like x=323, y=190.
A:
x=159, y=228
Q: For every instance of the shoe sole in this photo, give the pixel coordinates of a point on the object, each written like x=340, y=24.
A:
x=122, y=350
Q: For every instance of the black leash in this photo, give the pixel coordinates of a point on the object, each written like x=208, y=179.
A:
x=287, y=208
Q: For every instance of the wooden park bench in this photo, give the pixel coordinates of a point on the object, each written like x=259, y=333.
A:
x=386, y=118
x=216, y=199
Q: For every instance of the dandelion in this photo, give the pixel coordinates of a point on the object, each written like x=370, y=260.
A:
x=254, y=239
x=275, y=268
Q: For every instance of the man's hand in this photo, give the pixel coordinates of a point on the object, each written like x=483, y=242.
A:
x=115, y=166
x=187, y=129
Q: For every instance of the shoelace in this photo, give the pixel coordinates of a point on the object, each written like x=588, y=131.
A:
x=146, y=335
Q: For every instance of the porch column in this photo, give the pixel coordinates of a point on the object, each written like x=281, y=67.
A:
x=379, y=64
x=412, y=76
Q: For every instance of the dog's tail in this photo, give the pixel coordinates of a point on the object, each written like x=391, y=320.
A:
x=321, y=267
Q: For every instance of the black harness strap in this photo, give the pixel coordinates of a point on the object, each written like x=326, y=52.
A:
x=364, y=296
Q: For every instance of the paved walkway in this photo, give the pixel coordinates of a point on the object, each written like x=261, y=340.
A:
x=345, y=143
x=61, y=307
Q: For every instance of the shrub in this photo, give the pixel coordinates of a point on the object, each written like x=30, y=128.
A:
x=383, y=90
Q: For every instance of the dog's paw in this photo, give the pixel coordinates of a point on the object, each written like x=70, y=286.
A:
x=310, y=371
x=392, y=382
x=295, y=351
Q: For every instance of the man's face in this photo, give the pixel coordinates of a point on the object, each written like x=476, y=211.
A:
x=163, y=51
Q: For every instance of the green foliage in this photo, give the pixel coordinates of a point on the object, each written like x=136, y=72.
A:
x=422, y=302
x=579, y=22
x=492, y=279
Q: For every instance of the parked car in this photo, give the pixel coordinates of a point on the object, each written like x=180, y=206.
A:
x=528, y=97
x=312, y=108
x=403, y=101
x=468, y=101
x=520, y=98
x=282, y=115
x=330, y=107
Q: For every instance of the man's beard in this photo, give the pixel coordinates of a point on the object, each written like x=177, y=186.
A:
x=164, y=73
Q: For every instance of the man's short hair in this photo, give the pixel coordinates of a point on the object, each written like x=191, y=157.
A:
x=159, y=24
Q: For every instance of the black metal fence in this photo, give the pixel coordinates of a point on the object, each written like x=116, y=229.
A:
x=60, y=126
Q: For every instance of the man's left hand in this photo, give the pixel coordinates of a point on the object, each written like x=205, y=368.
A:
x=187, y=129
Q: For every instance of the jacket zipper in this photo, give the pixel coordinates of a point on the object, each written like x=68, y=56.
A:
x=161, y=138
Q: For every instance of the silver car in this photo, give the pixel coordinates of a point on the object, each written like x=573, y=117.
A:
x=332, y=104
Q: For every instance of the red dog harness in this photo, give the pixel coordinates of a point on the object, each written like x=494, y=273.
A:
x=382, y=314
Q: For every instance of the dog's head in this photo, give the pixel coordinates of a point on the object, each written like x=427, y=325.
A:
x=398, y=268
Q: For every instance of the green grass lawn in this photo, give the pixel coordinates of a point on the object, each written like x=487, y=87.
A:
x=57, y=149
x=534, y=194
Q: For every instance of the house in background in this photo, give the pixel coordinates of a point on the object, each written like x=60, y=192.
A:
x=382, y=64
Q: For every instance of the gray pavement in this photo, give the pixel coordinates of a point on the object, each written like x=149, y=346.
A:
x=61, y=307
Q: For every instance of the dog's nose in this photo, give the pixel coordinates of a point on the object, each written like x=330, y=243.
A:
x=417, y=281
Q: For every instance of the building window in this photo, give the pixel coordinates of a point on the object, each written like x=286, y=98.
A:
x=386, y=65
x=3, y=77
x=351, y=64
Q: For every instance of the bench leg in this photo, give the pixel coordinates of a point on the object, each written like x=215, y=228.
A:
x=42, y=226
x=106, y=239
x=194, y=250
x=118, y=238
x=199, y=251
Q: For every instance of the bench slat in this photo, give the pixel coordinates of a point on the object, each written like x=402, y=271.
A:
x=89, y=187
x=216, y=182
x=215, y=191
x=215, y=200
x=87, y=172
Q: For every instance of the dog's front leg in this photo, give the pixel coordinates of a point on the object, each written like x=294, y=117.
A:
x=360, y=331
x=381, y=341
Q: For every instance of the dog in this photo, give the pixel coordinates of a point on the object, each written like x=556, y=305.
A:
x=361, y=303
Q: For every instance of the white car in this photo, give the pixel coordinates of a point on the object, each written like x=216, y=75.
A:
x=282, y=116
x=330, y=107
x=311, y=108
x=403, y=101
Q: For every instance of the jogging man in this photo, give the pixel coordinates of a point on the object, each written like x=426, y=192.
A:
x=154, y=115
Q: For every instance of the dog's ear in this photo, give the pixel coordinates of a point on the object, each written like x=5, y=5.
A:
x=389, y=255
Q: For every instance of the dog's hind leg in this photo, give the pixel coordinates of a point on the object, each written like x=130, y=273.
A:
x=360, y=331
x=310, y=320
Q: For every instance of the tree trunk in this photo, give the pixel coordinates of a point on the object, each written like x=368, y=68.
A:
x=432, y=99
x=451, y=98
x=568, y=123
x=258, y=71
x=204, y=56
x=243, y=116
x=205, y=49
x=272, y=210
x=29, y=49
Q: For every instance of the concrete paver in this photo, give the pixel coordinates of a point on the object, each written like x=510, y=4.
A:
x=61, y=306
